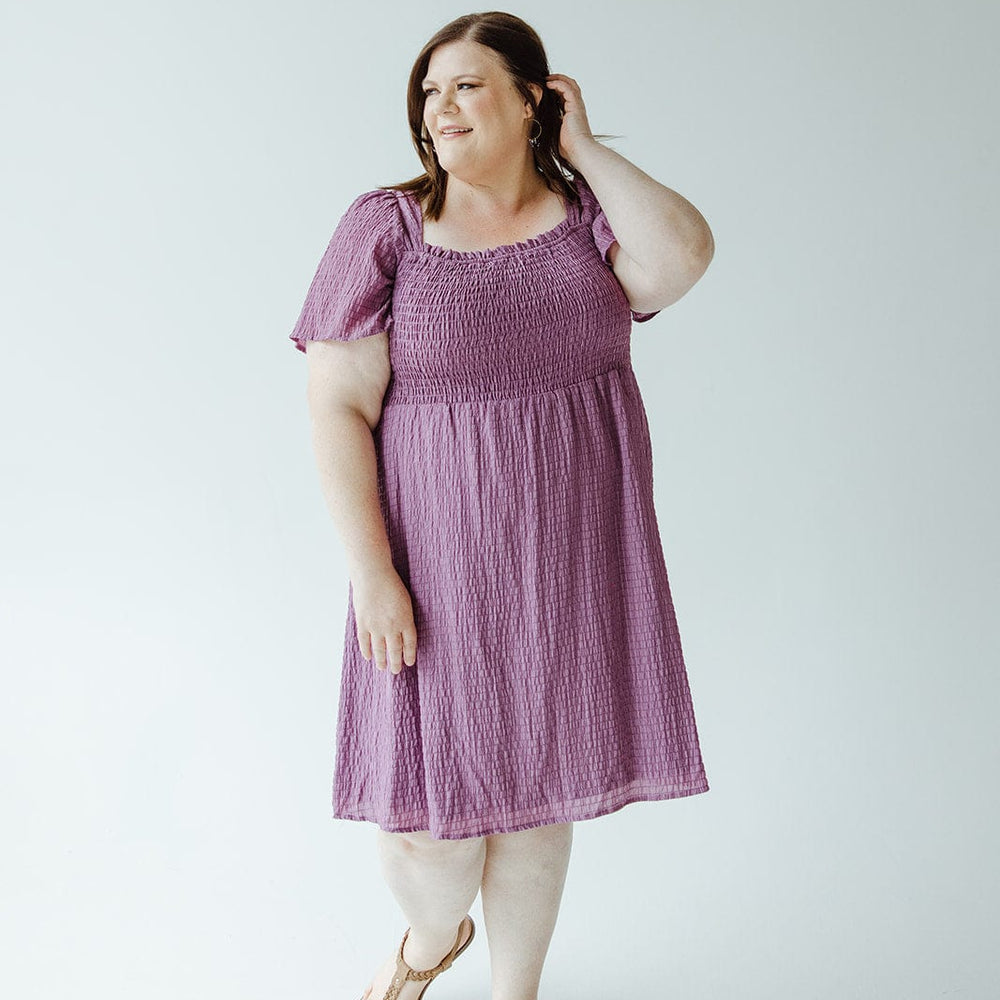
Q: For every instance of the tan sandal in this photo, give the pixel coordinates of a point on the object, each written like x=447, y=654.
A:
x=404, y=973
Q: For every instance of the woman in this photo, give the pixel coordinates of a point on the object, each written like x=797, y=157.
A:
x=489, y=469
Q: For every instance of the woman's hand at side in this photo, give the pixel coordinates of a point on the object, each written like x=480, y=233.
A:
x=346, y=386
x=383, y=613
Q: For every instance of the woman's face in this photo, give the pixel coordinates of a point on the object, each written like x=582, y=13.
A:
x=467, y=86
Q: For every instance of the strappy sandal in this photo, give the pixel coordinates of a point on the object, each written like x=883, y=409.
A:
x=404, y=973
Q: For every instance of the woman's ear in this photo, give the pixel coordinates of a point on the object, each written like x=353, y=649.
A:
x=538, y=91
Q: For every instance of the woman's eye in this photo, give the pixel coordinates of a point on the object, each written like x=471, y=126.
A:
x=430, y=90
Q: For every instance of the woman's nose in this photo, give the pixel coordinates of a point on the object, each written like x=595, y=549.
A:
x=444, y=102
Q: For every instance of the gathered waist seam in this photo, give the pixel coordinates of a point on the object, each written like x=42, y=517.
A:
x=621, y=364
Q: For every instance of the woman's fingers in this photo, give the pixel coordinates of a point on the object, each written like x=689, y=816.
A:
x=391, y=652
x=394, y=650
x=365, y=643
x=383, y=610
x=410, y=645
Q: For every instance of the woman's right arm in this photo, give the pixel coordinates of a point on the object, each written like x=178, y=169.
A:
x=346, y=384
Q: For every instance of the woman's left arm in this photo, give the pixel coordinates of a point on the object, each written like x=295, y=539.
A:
x=664, y=243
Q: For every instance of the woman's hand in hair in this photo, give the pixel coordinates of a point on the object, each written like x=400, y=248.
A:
x=575, y=128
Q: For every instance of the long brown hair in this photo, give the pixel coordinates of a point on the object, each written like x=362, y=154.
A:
x=523, y=55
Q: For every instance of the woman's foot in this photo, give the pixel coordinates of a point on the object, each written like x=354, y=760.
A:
x=419, y=956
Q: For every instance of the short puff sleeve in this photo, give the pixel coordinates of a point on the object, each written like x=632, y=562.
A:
x=603, y=236
x=351, y=292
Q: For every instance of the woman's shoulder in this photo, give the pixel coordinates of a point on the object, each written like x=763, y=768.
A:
x=375, y=204
x=375, y=213
x=588, y=200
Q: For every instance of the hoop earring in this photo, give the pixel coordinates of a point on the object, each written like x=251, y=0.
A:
x=534, y=139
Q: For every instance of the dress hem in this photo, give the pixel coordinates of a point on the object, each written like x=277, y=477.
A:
x=525, y=819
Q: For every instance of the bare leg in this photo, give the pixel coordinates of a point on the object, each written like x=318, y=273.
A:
x=523, y=880
x=435, y=883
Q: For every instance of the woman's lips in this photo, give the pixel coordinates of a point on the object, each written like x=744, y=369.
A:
x=454, y=135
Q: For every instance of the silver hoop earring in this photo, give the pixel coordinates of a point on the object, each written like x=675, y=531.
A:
x=534, y=139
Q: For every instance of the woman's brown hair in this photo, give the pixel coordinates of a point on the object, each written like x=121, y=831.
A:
x=523, y=55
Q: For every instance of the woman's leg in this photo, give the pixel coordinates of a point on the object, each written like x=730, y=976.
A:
x=523, y=880
x=435, y=883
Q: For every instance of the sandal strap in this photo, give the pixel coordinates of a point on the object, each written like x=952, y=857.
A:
x=405, y=974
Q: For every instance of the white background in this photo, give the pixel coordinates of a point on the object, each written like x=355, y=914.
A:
x=824, y=412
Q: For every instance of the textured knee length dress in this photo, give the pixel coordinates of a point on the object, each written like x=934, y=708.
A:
x=515, y=479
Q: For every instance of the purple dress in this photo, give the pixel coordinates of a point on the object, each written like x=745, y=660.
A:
x=515, y=478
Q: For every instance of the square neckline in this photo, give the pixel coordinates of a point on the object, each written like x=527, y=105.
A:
x=540, y=239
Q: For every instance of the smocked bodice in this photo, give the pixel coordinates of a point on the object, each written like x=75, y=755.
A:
x=514, y=320
x=499, y=323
